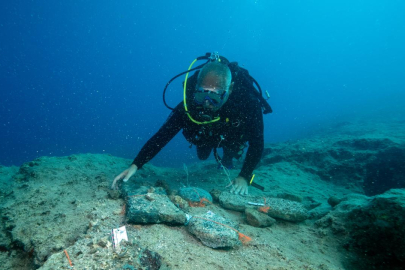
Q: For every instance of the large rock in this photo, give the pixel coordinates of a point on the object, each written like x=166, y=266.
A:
x=54, y=200
x=336, y=220
x=386, y=171
x=286, y=210
x=194, y=194
x=95, y=251
x=214, y=231
x=319, y=211
x=234, y=202
x=372, y=227
x=275, y=207
x=153, y=208
x=258, y=219
x=371, y=163
x=378, y=230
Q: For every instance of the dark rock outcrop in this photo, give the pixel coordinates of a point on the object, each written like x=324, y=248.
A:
x=385, y=171
x=378, y=230
x=374, y=228
x=153, y=208
x=374, y=165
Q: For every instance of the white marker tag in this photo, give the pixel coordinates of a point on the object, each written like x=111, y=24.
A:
x=117, y=235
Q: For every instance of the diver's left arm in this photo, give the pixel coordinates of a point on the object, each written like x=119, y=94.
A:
x=254, y=153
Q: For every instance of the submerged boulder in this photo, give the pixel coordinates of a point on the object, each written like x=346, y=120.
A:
x=378, y=230
x=373, y=163
x=286, y=210
x=213, y=230
x=258, y=219
x=234, y=202
x=194, y=194
x=386, y=171
x=274, y=207
x=373, y=227
x=153, y=208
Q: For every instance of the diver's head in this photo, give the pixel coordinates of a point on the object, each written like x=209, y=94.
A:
x=214, y=85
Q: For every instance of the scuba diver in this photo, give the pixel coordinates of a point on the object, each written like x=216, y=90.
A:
x=221, y=108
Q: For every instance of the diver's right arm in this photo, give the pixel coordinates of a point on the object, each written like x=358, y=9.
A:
x=170, y=128
x=125, y=175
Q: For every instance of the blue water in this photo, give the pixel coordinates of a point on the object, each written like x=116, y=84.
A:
x=87, y=76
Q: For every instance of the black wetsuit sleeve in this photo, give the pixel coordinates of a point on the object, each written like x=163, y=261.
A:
x=256, y=142
x=170, y=128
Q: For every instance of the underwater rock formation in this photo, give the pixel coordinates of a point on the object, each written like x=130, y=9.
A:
x=385, y=171
x=275, y=207
x=42, y=217
x=373, y=165
x=258, y=219
x=373, y=227
x=153, y=208
x=214, y=231
x=194, y=194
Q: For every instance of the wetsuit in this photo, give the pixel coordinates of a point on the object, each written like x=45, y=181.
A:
x=241, y=122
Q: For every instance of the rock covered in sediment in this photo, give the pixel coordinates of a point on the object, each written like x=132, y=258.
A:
x=258, y=219
x=319, y=211
x=362, y=220
x=132, y=189
x=206, y=227
x=153, y=208
x=233, y=202
x=95, y=251
x=286, y=210
x=385, y=171
x=369, y=161
x=382, y=219
x=53, y=202
x=336, y=219
x=333, y=201
x=289, y=196
x=276, y=207
x=194, y=194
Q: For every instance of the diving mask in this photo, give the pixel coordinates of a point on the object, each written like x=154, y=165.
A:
x=214, y=96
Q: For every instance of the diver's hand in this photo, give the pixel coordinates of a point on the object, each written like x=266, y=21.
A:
x=125, y=175
x=240, y=186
